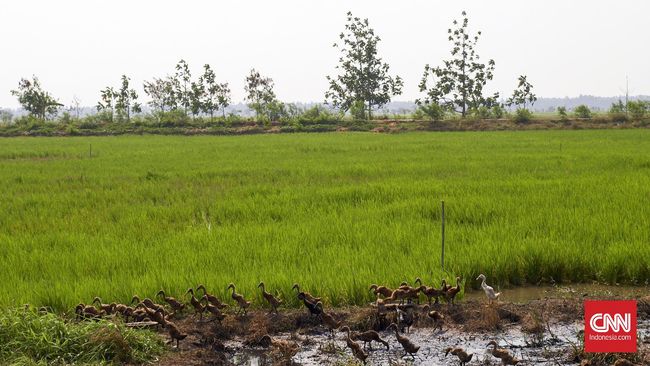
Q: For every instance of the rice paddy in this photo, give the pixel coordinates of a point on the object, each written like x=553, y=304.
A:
x=334, y=212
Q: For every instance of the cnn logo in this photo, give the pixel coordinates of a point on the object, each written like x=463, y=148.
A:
x=610, y=326
x=605, y=323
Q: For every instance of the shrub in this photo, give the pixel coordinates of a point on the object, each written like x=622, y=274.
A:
x=318, y=114
x=175, y=118
x=498, y=111
x=30, y=123
x=582, y=111
x=637, y=109
x=358, y=110
x=432, y=111
x=617, y=112
x=561, y=111
x=483, y=112
x=523, y=115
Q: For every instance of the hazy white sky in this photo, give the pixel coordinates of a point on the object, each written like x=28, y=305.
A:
x=566, y=47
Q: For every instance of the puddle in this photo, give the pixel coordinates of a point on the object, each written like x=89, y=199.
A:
x=522, y=295
x=557, y=310
x=552, y=348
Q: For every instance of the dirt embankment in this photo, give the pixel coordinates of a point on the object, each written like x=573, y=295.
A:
x=539, y=332
x=378, y=126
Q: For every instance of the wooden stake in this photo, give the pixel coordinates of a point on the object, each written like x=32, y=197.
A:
x=442, y=257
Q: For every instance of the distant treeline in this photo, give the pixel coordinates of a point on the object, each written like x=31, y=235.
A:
x=363, y=89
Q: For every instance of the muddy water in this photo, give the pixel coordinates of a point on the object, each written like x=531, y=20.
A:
x=522, y=295
x=552, y=348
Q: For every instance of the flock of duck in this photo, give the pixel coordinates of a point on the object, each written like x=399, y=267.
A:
x=394, y=306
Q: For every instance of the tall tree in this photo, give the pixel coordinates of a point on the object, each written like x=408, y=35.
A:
x=364, y=76
x=216, y=96
x=126, y=100
x=223, y=97
x=183, y=85
x=259, y=92
x=523, y=94
x=197, y=96
x=122, y=101
x=458, y=85
x=34, y=99
x=162, y=94
x=208, y=79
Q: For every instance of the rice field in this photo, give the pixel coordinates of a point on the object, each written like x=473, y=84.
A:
x=334, y=212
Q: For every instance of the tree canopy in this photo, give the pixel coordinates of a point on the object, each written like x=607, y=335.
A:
x=458, y=85
x=363, y=77
x=34, y=99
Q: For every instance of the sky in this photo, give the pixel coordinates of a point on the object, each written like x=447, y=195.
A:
x=76, y=48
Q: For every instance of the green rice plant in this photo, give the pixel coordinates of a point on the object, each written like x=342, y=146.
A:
x=333, y=212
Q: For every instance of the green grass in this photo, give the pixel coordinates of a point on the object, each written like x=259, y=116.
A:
x=334, y=212
x=29, y=338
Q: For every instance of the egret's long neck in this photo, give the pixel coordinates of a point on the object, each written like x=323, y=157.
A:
x=483, y=285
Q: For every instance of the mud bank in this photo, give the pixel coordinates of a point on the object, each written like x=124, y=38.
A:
x=545, y=331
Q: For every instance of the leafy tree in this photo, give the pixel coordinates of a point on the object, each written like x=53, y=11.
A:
x=561, y=111
x=458, y=85
x=121, y=102
x=208, y=79
x=259, y=92
x=34, y=99
x=582, y=111
x=216, y=96
x=126, y=100
x=182, y=85
x=107, y=101
x=523, y=94
x=197, y=97
x=223, y=97
x=364, y=76
x=162, y=94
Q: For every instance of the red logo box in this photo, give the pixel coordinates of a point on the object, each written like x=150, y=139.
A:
x=610, y=326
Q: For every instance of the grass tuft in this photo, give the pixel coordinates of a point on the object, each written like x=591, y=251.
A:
x=29, y=337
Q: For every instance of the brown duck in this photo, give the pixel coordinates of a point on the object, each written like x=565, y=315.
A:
x=409, y=347
x=357, y=351
x=272, y=300
x=243, y=304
